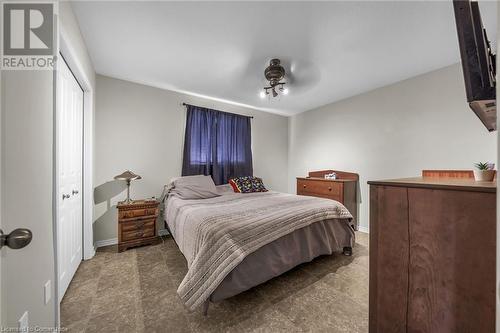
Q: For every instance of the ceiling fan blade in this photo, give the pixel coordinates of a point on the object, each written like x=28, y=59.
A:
x=302, y=76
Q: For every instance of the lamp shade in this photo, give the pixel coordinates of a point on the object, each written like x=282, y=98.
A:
x=128, y=176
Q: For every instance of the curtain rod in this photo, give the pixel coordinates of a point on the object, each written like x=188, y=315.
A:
x=251, y=117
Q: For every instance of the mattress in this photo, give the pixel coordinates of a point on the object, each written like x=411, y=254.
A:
x=236, y=241
x=285, y=253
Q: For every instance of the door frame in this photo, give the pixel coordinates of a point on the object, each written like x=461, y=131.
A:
x=2, y=310
x=71, y=57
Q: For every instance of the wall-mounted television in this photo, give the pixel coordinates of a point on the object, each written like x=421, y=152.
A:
x=478, y=62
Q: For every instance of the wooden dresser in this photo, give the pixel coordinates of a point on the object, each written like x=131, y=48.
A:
x=432, y=255
x=137, y=223
x=343, y=189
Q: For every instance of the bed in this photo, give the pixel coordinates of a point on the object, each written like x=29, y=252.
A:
x=235, y=241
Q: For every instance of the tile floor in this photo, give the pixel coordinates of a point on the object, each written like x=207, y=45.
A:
x=135, y=291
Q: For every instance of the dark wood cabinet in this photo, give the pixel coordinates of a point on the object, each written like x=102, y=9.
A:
x=343, y=189
x=432, y=255
x=137, y=223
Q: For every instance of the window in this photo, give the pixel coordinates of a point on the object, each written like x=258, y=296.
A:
x=217, y=144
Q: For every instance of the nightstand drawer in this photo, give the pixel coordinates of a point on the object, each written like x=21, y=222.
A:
x=138, y=233
x=132, y=213
x=137, y=225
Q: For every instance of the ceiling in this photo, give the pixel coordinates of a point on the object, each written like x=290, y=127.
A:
x=331, y=50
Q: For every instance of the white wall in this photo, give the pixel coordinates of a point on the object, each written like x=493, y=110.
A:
x=391, y=132
x=69, y=26
x=141, y=128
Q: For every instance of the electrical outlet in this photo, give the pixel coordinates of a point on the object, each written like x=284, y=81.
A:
x=23, y=322
x=47, y=291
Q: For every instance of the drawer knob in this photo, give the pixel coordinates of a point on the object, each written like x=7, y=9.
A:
x=329, y=189
x=305, y=186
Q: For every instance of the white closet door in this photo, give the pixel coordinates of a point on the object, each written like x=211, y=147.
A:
x=69, y=142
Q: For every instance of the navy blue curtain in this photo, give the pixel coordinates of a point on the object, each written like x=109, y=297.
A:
x=217, y=144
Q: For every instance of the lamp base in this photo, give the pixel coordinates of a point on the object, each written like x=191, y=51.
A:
x=128, y=193
x=127, y=202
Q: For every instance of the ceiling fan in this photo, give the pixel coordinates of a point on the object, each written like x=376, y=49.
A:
x=274, y=73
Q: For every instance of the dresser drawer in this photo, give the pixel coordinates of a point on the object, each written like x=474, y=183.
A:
x=319, y=188
x=325, y=196
x=132, y=213
x=139, y=233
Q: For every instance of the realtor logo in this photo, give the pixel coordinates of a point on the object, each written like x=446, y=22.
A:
x=27, y=40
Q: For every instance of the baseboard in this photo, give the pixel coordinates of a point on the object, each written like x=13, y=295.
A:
x=163, y=232
x=90, y=255
x=114, y=241
x=364, y=229
x=106, y=242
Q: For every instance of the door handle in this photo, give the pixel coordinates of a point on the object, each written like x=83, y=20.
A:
x=75, y=192
x=17, y=239
x=66, y=196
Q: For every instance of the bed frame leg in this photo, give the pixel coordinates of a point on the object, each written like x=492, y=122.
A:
x=347, y=251
x=205, y=307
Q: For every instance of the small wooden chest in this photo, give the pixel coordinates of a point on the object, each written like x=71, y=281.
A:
x=137, y=223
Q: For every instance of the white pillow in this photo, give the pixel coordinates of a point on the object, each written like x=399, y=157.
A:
x=224, y=189
x=194, y=187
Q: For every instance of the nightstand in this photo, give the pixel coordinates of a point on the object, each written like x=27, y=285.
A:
x=137, y=223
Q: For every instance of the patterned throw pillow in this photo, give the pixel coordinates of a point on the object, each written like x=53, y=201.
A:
x=247, y=184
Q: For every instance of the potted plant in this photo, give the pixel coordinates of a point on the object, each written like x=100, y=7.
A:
x=485, y=171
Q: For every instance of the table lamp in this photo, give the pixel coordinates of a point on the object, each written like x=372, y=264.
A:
x=128, y=176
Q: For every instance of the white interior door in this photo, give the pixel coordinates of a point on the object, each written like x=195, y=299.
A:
x=69, y=142
x=27, y=274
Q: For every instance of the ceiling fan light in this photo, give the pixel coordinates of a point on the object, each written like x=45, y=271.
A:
x=285, y=91
x=274, y=73
x=263, y=94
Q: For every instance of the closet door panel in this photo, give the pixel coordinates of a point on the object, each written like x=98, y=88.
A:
x=388, y=259
x=446, y=293
x=69, y=141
